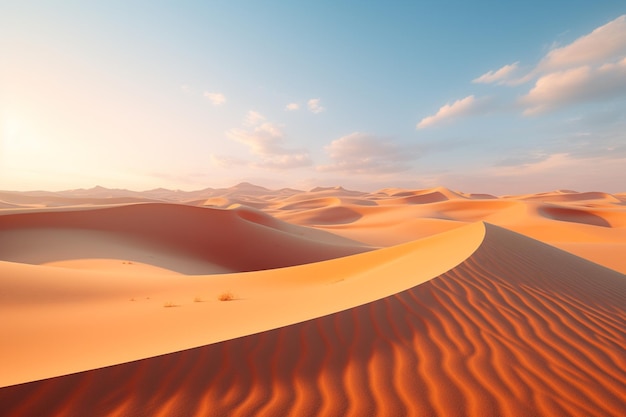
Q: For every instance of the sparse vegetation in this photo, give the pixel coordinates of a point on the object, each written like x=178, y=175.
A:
x=198, y=300
x=226, y=296
x=170, y=304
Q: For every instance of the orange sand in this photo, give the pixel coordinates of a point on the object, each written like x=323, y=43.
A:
x=110, y=307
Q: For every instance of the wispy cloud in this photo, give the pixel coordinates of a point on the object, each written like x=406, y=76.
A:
x=361, y=153
x=539, y=164
x=500, y=76
x=315, y=106
x=576, y=85
x=461, y=108
x=266, y=141
x=591, y=68
x=292, y=107
x=564, y=170
x=604, y=44
x=216, y=98
x=253, y=118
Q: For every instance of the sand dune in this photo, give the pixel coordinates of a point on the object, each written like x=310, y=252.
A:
x=571, y=196
x=565, y=214
x=393, y=303
x=207, y=240
x=539, y=334
x=4, y=205
x=567, y=220
x=99, y=318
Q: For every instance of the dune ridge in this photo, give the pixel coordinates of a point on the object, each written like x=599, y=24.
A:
x=565, y=219
x=518, y=328
x=397, y=302
x=215, y=240
x=97, y=318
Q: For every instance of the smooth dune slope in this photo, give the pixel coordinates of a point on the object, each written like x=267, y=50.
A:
x=590, y=224
x=79, y=319
x=190, y=240
x=517, y=329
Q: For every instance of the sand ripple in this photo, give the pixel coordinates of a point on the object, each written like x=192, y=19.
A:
x=518, y=329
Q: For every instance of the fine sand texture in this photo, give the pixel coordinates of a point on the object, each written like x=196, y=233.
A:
x=247, y=301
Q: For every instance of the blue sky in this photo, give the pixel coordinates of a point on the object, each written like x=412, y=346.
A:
x=509, y=98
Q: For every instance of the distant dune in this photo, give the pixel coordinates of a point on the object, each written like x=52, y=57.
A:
x=394, y=303
x=205, y=240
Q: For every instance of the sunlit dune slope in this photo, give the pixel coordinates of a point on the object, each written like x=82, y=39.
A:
x=78, y=319
x=184, y=239
x=571, y=196
x=590, y=224
x=519, y=328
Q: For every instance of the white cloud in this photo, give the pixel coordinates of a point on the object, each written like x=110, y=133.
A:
x=263, y=139
x=216, y=98
x=315, y=106
x=464, y=107
x=591, y=68
x=360, y=153
x=254, y=118
x=546, y=163
x=576, y=85
x=606, y=43
x=500, y=76
x=266, y=142
x=292, y=107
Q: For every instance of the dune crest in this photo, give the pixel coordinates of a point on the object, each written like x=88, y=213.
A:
x=185, y=239
x=249, y=301
x=518, y=328
x=92, y=304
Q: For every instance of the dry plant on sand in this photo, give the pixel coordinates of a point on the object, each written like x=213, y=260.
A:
x=226, y=296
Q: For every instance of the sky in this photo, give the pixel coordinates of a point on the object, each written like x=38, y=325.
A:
x=502, y=98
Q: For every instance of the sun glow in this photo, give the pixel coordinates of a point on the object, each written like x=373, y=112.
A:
x=21, y=143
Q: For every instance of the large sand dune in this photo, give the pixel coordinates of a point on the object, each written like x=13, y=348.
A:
x=207, y=240
x=114, y=311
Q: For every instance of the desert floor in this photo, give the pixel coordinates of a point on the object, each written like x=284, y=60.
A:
x=247, y=301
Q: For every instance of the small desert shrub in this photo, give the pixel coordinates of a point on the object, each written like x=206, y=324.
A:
x=170, y=304
x=226, y=296
x=198, y=300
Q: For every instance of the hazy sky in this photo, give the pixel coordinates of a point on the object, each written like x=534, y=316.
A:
x=479, y=96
